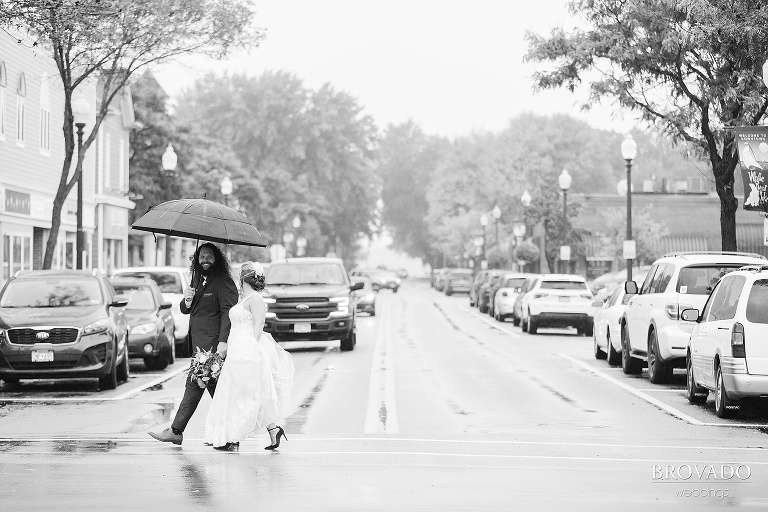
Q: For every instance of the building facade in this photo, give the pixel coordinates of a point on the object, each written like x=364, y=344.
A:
x=31, y=165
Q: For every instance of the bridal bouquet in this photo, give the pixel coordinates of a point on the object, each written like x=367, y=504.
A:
x=205, y=365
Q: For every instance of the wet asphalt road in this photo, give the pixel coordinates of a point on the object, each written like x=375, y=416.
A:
x=437, y=408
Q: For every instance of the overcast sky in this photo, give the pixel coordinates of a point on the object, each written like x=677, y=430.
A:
x=453, y=66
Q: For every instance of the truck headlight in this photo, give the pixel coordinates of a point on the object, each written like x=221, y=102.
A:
x=342, y=303
x=96, y=327
x=144, y=329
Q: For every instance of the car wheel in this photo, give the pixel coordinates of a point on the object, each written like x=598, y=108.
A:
x=524, y=324
x=612, y=357
x=348, y=342
x=599, y=353
x=629, y=365
x=109, y=381
x=394, y=290
x=448, y=291
x=483, y=307
x=515, y=320
x=124, y=370
x=723, y=404
x=694, y=393
x=589, y=329
x=659, y=372
x=533, y=327
x=160, y=362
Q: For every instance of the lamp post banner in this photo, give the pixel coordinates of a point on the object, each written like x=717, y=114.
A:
x=753, y=159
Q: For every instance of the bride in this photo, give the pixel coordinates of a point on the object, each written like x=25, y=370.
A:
x=254, y=387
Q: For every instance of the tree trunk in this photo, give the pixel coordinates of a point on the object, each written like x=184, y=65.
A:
x=723, y=172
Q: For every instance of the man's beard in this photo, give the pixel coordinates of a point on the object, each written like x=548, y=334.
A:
x=208, y=272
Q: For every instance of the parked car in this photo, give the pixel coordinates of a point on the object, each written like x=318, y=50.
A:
x=440, y=279
x=311, y=299
x=517, y=308
x=603, y=286
x=493, y=288
x=511, y=285
x=151, y=328
x=457, y=280
x=652, y=331
x=63, y=324
x=558, y=300
x=365, y=298
x=607, y=329
x=488, y=288
x=172, y=282
x=477, y=282
x=402, y=273
x=727, y=351
x=433, y=276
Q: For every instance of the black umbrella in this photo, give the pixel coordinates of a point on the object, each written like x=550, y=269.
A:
x=200, y=219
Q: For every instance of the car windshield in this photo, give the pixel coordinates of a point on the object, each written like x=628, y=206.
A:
x=53, y=292
x=169, y=282
x=139, y=298
x=564, y=285
x=757, y=305
x=701, y=279
x=461, y=272
x=306, y=273
x=513, y=282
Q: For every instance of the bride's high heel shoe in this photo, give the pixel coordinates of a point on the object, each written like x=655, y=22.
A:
x=229, y=447
x=280, y=433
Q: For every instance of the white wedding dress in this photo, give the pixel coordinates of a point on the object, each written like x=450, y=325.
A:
x=254, y=387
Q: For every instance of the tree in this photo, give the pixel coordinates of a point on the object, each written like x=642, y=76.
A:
x=109, y=41
x=691, y=69
x=646, y=233
x=407, y=161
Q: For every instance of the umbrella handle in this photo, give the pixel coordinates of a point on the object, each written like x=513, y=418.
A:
x=192, y=279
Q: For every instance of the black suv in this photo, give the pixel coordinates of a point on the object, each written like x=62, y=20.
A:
x=63, y=324
x=310, y=299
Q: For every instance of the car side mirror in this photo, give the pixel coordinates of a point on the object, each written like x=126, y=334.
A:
x=357, y=286
x=119, y=301
x=166, y=305
x=630, y=288
x=690, y=315
x=597, y=304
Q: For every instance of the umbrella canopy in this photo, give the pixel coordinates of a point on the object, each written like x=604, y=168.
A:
x=200, y=219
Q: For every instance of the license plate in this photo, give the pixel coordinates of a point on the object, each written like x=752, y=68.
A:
x=302, y=327
x=563, y=299
x=42, y=356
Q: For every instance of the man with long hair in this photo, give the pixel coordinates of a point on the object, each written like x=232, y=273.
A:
x=208, y=303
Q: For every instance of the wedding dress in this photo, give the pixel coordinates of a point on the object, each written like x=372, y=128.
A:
x=254, y=387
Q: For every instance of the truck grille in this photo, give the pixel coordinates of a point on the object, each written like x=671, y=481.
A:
x=319, y=307
x=56, y=335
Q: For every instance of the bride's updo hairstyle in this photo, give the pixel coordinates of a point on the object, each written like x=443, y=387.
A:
x=252, y=272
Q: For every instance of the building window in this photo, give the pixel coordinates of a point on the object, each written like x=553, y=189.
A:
x=17, y=254
x=107, y=161
x=3, y=85
x=45, y=117
x=21, y=93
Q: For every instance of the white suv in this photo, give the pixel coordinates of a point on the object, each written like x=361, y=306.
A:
x=651, y=327
x=728, y=349
x=558, y=300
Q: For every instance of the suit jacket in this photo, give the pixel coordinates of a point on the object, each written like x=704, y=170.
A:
x=209, y=313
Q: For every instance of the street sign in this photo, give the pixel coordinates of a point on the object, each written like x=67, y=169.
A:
x=565, y=252
x=276, y=252
x=630, y=251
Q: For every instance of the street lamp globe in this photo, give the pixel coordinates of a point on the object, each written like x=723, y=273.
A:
x=629, y=148
x=81, y=110
x=483, y=220
x=496, y=212
x=564, y=180
x=169, y=159
x=526, y=199
x=226, y=186
x=296, y=222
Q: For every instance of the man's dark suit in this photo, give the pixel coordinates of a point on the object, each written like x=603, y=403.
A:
x=208, y=326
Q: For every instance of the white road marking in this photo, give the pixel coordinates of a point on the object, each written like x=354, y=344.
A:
x=658, y=403
x=381, y=412
x=313, y=440
x=123, y=396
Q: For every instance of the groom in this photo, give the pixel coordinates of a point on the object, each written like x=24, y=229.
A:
x=208, y=306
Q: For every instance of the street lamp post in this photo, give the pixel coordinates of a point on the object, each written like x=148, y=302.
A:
x=496, y=216
x=81, y=110
x=483, y=222
x=565, y=183
x=629, y=152
x=168, y=161
x=226, y=189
